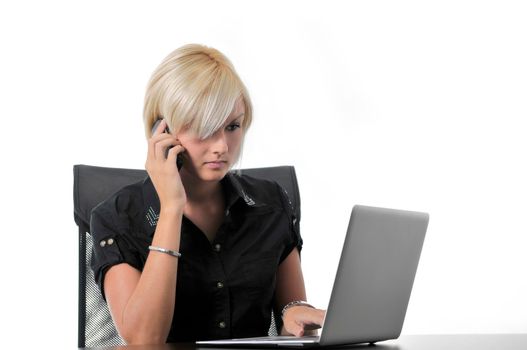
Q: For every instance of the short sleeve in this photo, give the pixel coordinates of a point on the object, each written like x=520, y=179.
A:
x=294, y=239
x=110, y=229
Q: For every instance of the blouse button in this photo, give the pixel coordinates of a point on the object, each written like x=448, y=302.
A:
x=219, y=285
x=102, y=243
x=217, y=247
x=222, y=324
x=110, y=241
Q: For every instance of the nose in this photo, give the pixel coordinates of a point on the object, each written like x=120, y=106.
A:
x=219, y=143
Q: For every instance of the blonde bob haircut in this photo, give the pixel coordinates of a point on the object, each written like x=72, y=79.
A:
x=194, y=87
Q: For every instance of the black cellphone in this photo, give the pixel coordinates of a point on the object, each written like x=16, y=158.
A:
x=179, y=161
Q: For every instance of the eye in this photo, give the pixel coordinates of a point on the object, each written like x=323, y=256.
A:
x=232, y=127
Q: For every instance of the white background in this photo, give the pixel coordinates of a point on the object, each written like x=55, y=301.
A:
x=406, y=104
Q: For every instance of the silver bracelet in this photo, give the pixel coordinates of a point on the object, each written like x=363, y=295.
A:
x=166, y=251
x=296, y=303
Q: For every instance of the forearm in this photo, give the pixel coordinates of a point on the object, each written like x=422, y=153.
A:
x=148, y=314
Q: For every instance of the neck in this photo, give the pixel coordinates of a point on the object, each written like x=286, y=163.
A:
x=199, y=191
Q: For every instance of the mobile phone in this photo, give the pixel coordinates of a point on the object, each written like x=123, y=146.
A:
x=179, y=161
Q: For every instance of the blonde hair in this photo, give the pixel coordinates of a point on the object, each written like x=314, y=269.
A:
x=194, y=87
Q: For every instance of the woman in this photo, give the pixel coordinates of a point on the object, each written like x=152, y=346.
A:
x=200, y=252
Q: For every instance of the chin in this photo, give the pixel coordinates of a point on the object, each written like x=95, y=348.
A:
x=212, y=175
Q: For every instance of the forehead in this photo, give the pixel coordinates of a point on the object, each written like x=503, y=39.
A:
x=239, y=108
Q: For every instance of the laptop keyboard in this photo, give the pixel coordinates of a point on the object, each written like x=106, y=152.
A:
x=286, y=337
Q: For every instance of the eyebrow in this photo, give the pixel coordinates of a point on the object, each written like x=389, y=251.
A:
x=241, y=115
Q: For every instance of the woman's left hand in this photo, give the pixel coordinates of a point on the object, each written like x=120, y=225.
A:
x=299, y=320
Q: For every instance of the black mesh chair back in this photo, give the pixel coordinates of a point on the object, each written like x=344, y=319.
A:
x=91, y=186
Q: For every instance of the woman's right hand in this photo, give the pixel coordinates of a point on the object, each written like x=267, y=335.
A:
x=163, y=171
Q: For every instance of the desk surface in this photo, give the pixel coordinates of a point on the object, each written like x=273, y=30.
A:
x=407, y=342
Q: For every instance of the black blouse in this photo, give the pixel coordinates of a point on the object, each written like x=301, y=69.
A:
x=225, y=289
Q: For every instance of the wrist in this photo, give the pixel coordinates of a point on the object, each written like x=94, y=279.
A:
x=168, y=228
x=171, y=210
x=295, y=303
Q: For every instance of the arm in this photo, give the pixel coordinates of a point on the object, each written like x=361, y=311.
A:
x=142, y=303
x=290, y=287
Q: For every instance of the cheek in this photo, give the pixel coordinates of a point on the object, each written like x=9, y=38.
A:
x=235, y=144
x=195, y=150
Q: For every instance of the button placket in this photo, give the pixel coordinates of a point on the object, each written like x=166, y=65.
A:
x=221, y=296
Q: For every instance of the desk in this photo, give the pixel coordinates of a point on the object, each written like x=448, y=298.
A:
x=407, y=342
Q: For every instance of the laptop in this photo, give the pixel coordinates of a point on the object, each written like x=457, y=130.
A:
x=373, y=283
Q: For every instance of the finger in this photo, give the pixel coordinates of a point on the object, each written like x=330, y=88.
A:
x=152, y=142
x=314, y=318
x=321, y=317
x=162, y=145
x=160, y=128
x=311, y=327
x=300, y=332
x=174, y=152
x=296, y=329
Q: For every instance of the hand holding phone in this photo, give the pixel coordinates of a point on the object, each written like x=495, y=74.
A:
x=160, y=167
x=179, y=161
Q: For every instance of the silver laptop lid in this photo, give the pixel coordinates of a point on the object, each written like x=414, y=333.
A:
x=375, y=275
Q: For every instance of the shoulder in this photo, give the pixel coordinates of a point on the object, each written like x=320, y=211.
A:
x=125, y=202
x=116, y=231
x=260, y=191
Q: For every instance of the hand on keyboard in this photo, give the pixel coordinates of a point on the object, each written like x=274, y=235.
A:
x=302, y=320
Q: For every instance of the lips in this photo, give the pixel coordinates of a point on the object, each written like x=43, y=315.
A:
x=216, y=164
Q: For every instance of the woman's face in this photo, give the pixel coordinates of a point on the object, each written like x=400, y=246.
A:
x=210, y=159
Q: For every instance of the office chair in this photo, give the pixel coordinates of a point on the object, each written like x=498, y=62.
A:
x=91, y=186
